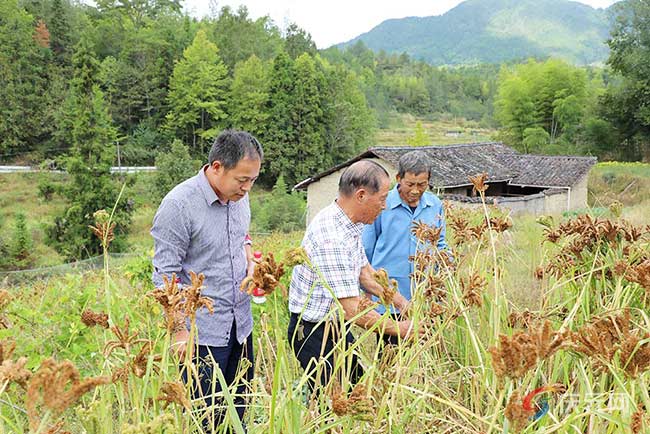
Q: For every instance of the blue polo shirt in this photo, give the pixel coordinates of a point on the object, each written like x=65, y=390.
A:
x=388, y=242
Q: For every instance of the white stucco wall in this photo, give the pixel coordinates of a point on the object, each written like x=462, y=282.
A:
x=579, y=194
x=322, y=192
x=535, y=204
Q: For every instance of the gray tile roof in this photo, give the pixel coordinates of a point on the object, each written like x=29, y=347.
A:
x=547, y=170
x=452, y=165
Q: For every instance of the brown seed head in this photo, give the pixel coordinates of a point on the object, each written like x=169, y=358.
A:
x=92, y=319
x=176, y=393
x=516, y=414
x=635, y=353
x=171, y=299
x=389, y=286
x=104, y=228
x=478, y=181
x=55, y=387
x=125, y=339
x=266, y=276
x=636, y=424
x=473, y=288
x=297, y=256
x=15, y=372
x=7, y=348
x=425, y=233
x=500, y=224
x=5, y=299
x=193, y=299
x=519, y=353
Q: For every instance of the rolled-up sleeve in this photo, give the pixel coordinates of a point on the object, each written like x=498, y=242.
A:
x=332, y=260
x=171, y=234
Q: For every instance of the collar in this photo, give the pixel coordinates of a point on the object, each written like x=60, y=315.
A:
x=348, y=225
x=208, y=192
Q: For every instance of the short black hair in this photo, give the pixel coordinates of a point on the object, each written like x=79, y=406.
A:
x=362, y=174
x=414, y=162
x=231, y=146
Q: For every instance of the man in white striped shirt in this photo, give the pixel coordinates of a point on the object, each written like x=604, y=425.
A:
x=338, y=266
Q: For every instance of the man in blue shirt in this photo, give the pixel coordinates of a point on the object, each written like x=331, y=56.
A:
x=388, y=242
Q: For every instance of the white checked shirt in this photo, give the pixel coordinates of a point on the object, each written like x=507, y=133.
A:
x=333, y=245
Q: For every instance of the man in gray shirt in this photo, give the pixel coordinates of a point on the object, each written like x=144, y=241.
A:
x=201, y=226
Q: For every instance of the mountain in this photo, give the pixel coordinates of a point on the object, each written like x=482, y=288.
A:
x=494, y=31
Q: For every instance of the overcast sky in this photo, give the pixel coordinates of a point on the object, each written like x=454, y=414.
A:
x=334, y=21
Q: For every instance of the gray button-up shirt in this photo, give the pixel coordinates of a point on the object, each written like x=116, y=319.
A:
x=194, y=231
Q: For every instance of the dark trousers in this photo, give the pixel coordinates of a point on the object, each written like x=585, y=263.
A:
x=227, y=359
x=310, y=344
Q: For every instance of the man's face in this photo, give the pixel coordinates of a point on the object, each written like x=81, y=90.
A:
x=233, y=184
x=412, y=187
x=372, y=204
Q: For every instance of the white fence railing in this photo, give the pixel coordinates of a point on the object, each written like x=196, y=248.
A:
x=114, y=169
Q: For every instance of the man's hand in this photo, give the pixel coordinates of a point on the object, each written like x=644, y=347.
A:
x=179, y=344
x=407, y=331
x=404, y=309
x=402, y=304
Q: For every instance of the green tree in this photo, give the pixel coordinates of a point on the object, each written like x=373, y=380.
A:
x=551, y=95
x=294, y=137
x=420, y=137
x=349, y=122
x=249, y=94
x=627, y=102
x=91, y=187
x=298, y=42
x=567, y=113
x=137, y=11
x=21, y=244
x=599, y=137
x=280, y=211
x=197, y=93
x=278, y=131
x=239, y=37
x=535, y=139
x=308, y=121
x=60, y=33
x=23, y=81
x=173, y=167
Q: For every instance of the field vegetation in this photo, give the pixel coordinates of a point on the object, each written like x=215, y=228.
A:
x=557, y=304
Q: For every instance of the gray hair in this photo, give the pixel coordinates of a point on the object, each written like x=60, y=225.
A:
x=231, y=146
x=362, y=174
x=414, y=162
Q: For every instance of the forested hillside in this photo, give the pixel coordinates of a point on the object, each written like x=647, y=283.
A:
x=144, y=74
x=495, y=31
